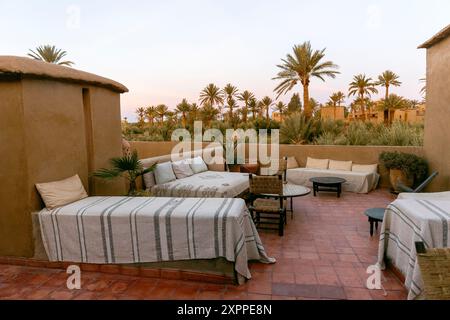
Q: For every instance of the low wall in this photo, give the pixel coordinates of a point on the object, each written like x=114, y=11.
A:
x=357, y=154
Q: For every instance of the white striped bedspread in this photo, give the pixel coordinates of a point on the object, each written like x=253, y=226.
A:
x=124, y=230
x=406, y=222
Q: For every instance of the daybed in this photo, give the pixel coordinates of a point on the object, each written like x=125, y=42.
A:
x=123, y=230
x=360, y=178
x=200, y=180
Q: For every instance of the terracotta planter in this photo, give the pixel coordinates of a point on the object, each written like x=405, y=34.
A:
x=397, y=176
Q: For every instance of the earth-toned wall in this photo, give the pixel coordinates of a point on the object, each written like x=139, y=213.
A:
x=437, y=117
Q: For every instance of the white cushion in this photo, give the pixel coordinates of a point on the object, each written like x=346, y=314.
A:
x=312, y=163
x=149, y=180
x=60, y=193
x=365, y=168
x=292, y=163
x=198, y=165
x=182, y=169
x=340, y=165
x=164, y=173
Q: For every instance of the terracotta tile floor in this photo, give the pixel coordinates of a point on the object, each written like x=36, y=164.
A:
x=323, y=255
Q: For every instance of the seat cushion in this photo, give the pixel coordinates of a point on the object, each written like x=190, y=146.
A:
x=164, y=173
x=266, y=205
x=292, y=163
x=198, y=165
x=60, y=193
x=367, y=168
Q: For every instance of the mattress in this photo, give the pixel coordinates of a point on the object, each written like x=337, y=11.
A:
x=208, y=184
x=124, y=230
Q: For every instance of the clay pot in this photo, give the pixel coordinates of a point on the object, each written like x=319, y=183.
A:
x=397, y=176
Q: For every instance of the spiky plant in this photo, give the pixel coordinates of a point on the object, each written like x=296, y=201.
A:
x=50, y=54
x=128, y=166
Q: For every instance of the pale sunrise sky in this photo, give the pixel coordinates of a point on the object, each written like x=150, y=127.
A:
x=164, y=51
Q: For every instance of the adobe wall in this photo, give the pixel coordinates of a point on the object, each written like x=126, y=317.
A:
x=437, y=116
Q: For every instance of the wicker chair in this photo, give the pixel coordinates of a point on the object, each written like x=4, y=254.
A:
x=282, y=169
x=267, y=211
x=435, y=269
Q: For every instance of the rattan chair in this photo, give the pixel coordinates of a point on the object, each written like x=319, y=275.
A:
x=435, y=269
x=265, y=170
x=267, y=205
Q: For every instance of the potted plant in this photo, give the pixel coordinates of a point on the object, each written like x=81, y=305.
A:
x=129, y=167
x=407, y=169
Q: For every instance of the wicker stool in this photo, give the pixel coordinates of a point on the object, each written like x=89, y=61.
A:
x=435, y=269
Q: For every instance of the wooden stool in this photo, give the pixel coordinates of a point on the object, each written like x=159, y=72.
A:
x=375, y=215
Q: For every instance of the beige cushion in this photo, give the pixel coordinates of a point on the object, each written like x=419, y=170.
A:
x=198, y=165
x=340, y=165
x=164, y=173
x=292, y=163
x=366, y=168
x=312, y=163
x=59, y=193
x=182, y=169
x=149, y=180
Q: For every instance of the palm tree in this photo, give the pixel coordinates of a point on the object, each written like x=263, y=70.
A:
x=50, y=54
x=193, y=112
x=212, y=95
x=336, y=100
x=393, y=102
x=253, y=107
x=230, y=91
x=280, y=107
x=362, y=87
x=388, y=79
x=162, y=110
x=208, y=113
x=150, y=114
x=141, y=115
x=184, y=108
x=413, y=104
x=245, y=97
x=305, y=64
x=423, y=90
x=231, y=104
x=266, y=103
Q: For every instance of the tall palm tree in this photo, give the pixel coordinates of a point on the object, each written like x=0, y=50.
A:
x=162, y=110
x=193, y=112
x=141, y=115
x=50, y=54
x=253, y=107
x=336, y=100
x=423, y=90
x=150, y=114
x=231, y=104
x=388, y=79
x=212, y=95
x=245, y=97
x=362, y=87
x=230, y=91
x=305, y=64
x=280, y=107
x=184, y=108
x=266, y=103
x=208, y=113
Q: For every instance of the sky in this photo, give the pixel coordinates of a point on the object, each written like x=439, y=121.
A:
x=164, y=51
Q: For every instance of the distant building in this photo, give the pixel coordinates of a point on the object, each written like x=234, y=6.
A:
x=411, y=116
x=331, y=113
x=276, y=116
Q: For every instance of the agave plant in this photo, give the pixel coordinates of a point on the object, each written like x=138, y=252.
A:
x=50, y=54
x=129, y=167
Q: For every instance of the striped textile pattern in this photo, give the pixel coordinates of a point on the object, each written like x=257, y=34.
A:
x=408, y=221
x=124, y=230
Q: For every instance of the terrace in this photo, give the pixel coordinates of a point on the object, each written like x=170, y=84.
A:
x=325, y=251
x=324, y=255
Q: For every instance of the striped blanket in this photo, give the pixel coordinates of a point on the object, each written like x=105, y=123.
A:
x=122, y=230
x=408, y=221
x=208, y=184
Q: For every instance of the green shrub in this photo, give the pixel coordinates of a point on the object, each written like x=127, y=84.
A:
x=297, y=130
x=413, y=166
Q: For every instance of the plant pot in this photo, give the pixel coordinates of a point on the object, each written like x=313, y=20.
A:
x=397, y=176
x=234, y=167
